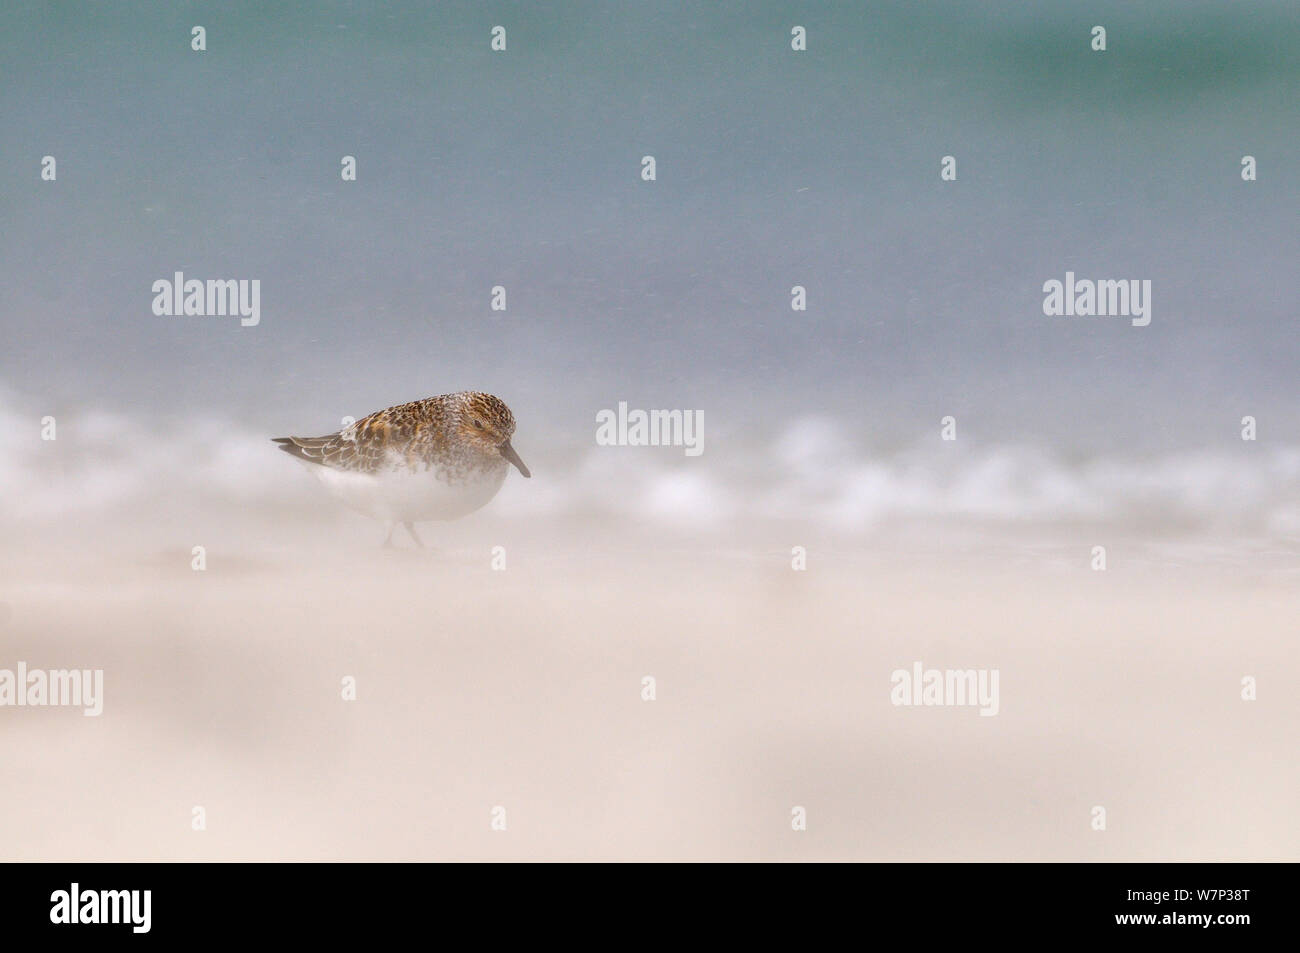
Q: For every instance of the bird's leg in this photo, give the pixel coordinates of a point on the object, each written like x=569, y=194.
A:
x=410, y=528
x=388, y=540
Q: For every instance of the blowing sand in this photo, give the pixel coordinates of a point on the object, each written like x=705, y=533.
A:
x=522, y=689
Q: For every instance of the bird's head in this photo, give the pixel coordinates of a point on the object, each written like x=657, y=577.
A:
x=486, y=424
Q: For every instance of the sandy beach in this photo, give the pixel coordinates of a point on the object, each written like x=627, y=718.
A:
x=522, y=688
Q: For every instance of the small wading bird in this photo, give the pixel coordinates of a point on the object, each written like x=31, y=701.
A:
x=433, y=459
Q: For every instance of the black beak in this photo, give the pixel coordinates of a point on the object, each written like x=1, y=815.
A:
x=508, y=452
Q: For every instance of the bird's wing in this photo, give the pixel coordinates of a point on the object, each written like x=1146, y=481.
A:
x=332, y=450
x=380, y=441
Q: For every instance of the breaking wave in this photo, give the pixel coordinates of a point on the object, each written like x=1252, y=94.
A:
x=105, y=465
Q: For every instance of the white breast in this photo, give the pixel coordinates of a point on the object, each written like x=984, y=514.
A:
x=413, y=496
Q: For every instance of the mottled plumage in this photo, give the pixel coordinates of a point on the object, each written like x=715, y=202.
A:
x=432, y=459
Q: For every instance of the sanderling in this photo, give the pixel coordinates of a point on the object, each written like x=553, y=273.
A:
x=433, y=459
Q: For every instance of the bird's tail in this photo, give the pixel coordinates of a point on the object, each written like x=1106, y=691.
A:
x=304, y=448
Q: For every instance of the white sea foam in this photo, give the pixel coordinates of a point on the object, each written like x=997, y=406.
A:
x=813, y=471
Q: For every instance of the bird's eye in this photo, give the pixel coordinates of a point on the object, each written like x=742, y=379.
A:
x=478, y=425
